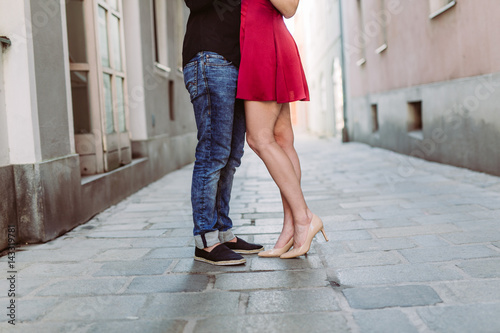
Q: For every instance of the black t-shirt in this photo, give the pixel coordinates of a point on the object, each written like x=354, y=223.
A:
x=213, y=25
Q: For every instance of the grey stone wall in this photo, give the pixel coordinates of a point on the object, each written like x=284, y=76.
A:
x=4, y=140
x=7, y=203
x=156, y=86
x=48, y=198
x=460, y=122
x=50, y=78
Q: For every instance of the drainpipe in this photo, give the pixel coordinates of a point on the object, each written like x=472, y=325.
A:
x=345, y=134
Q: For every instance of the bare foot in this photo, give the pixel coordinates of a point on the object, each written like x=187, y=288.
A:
x=285, y=236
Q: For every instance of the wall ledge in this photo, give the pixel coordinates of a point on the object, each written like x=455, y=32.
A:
x=91, y=178
x=442, y=10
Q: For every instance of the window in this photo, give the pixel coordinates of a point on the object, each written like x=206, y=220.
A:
x=414, y=124
x=374, y=118
x=160, y=34
x=171, y=100
x=98, y=84
x=438, y=7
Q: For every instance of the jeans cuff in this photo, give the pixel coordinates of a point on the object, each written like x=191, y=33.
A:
x=226, y=236
x=211, y=239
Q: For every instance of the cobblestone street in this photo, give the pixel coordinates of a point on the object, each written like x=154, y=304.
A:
x=414, y=247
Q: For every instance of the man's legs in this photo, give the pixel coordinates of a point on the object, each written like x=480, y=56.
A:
x=227, y=174
x=211, y=82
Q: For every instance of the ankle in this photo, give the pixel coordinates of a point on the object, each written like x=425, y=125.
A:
x=287, y=229
x=304, y=220
x=210, y=248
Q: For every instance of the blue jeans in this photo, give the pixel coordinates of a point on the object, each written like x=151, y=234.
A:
x=211, y=81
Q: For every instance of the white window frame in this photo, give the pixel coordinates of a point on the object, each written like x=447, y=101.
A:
x=160, y=36
x=117, y=146
x=101, y=151
x=437, y=7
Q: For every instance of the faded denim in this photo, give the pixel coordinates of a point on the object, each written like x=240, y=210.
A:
x=211, y=81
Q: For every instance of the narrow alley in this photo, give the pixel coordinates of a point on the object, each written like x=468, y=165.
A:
x=414, y=247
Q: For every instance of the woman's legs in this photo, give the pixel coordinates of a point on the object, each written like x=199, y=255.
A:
x=261, y=120
x=283, y=134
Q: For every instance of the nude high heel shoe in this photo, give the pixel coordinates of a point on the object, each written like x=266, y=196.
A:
x=315, y=227
x=276, y=252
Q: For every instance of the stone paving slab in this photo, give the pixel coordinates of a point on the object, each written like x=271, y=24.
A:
x=429, y=241
x=134, y=267
x=301, y=300
x=135, y=325
x=474, y=291
x=54, y=270
x=385, y=297
x=386, y=244
x=415, y=230
x=403, y=273
x=271, y=280
x=34, y=309
x=351, y=225
x=271, y=264
x=102, y=308
x=384, y=321
x=73, y=287
x=187, y=305
x=448, y=253
x=24, y=285
x=414, y=252
x=462, y=319
x=167, y=283
x=383, y=258
x=290, y=323
x=486, y=268
x=472, y=237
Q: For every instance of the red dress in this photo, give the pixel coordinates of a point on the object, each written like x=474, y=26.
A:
x=270, y=68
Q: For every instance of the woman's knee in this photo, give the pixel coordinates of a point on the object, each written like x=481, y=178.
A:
x=284, y=139
x=259, y=141
x=252, y=142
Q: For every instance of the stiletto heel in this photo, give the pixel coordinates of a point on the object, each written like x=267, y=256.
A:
x=315, y=227
x=276, y=252
x=324, y=234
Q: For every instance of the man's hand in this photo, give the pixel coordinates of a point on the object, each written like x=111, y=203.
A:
x=286, y=7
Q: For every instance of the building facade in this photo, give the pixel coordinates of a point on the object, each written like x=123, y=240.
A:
x=92, y=108
x=424, y=79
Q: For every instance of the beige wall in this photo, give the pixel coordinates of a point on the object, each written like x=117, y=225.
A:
x=450, y=64
x=461, y=42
